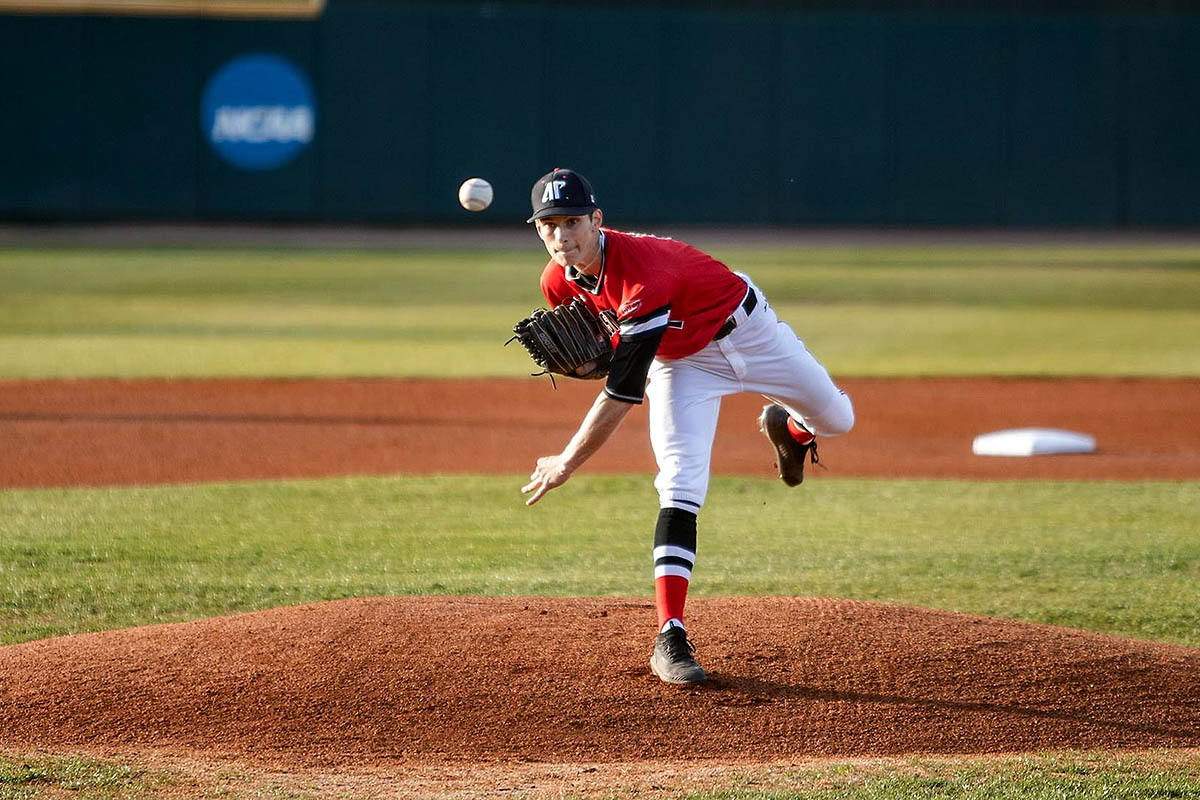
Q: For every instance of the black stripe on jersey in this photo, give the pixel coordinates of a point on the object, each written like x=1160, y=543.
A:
x=643, y=325
x=648, y=315
x=630, y=365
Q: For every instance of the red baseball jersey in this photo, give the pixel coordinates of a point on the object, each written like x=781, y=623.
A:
x=670, y=300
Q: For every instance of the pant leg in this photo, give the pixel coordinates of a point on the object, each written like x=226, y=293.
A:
x=685, y=402
x=779, y=366
x=810, y=395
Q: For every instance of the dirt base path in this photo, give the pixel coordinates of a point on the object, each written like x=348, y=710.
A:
x=379, y=681
x=104, y=432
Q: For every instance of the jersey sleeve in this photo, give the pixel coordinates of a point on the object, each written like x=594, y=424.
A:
x=635, y=351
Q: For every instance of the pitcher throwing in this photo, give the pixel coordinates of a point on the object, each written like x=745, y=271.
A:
x=690, y=332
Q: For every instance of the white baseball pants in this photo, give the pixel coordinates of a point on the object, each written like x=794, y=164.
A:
x=761, y=355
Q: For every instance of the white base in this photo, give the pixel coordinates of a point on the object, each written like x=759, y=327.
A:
x=1032, y=442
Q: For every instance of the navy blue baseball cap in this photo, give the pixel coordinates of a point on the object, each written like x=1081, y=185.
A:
x=561, y=193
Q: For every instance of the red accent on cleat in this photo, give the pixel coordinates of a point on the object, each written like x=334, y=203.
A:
x=798, y=432
x=789, y=453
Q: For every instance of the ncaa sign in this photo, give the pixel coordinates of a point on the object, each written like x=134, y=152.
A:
x=258, y=112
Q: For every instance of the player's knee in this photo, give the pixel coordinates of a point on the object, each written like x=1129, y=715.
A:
x=838, y=418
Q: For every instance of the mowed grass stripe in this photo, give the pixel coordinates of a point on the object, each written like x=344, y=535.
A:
x=454, y=342
x=129, y=312
x=1115, y=276
x=1119, y=558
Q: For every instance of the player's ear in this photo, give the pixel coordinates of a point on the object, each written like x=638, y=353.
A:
x=597, y=218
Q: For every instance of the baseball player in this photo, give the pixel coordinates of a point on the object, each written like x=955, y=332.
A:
x=691, y=332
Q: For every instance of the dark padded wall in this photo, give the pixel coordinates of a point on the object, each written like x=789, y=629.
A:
x=289, y=192
x=834, y=136
x=772, y=115
x=139, y=154
x=1066, y=124
x=43, y=135
x=374, y=101
x=1163, y=113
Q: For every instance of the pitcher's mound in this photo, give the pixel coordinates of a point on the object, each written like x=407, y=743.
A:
x=566, y=679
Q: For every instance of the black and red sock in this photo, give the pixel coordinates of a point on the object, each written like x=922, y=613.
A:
x=674, y=556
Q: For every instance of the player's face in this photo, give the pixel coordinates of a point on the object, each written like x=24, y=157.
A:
x=573, y=241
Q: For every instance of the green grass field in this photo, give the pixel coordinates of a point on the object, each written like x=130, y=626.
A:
x=871, y=311
x=1050, y=776
x=1119, y=558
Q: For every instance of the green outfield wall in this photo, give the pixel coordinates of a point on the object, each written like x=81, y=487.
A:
x=773, y=115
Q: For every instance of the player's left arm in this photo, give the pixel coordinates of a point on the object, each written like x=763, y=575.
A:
x=602, y=420
x=638, y=344
x=625, y=388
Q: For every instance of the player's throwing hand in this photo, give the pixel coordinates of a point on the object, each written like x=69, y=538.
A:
x=550, y=472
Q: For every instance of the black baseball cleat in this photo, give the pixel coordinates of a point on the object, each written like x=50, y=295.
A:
x=673, y=661
x=789, y=454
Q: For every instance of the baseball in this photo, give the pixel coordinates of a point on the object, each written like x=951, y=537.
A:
x=475, y=194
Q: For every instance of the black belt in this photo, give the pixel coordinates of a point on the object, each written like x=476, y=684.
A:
x=748, y=304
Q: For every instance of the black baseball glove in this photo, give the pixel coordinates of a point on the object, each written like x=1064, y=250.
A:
x=571, y=340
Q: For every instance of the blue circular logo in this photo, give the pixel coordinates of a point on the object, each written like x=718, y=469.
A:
x=258, y=112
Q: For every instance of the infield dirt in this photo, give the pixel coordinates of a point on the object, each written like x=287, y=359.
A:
x=373, y=681
x=465, y=693
x=104, y=432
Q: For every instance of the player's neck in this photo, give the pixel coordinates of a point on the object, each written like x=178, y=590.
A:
x=594, y=265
